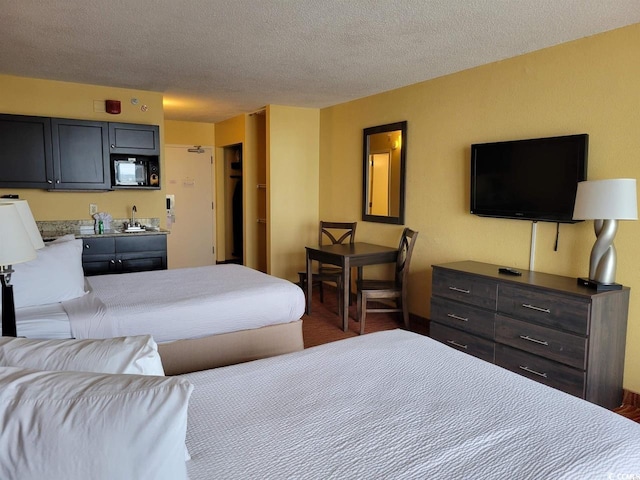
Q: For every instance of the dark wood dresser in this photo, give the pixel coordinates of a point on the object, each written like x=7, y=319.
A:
x=545, y=327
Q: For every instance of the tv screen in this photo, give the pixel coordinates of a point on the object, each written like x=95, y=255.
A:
x=534, y=179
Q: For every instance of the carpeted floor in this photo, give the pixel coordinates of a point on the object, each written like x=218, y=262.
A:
x=324, y=325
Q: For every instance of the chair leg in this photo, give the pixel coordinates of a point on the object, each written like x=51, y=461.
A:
x=405, y=311
x=362, y=310
x=321, y=292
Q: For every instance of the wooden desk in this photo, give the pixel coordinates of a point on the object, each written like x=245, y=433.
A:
x=346, y=256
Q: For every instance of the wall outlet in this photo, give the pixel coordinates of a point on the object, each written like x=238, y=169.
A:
x=93, y=208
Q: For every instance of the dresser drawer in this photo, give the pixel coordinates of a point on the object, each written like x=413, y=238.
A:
x=558, y=311
x=465, y=288
x=559, y=346
x=542, y=370
x=465, y=342
x=462, y=316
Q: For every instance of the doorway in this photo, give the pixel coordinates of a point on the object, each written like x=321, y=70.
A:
x=190, y=175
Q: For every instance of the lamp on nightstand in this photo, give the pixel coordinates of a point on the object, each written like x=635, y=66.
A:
x=19, y=239
x=605, y=202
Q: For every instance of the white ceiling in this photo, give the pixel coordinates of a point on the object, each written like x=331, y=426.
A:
x=214, y=59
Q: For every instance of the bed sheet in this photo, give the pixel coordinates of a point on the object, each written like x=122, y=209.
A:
x=43, y=321
x=396, y=405
x=184, y=303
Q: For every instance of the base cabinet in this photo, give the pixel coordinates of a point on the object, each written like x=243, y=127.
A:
x=542, y=326
x=105, y=255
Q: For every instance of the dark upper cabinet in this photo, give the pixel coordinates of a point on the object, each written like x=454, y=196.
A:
x=133, y=139
x=80, y=154
x=68, y=154
x=26, y=159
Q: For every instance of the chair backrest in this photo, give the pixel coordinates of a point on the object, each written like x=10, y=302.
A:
x=337, y=232
x=405, y=250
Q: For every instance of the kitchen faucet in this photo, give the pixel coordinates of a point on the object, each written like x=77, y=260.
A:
x=133, y=216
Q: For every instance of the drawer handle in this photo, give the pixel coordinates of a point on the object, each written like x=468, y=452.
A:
x=537, y=309
x=527, y=369
x=453, y=315
x=86, y=245
x=534, y=340
x=453, y=342
x=456, y=289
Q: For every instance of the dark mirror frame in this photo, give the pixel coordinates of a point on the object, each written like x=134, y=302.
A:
x=391, y=127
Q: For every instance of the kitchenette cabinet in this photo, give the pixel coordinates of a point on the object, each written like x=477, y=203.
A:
x=26, y=159
x=68, y=154
x=80, y=155
x=124, y=253
x=134, y=139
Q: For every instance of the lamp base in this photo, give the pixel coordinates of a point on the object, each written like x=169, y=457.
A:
x=597, y=286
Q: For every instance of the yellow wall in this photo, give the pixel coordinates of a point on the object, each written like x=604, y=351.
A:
x=292, y=179
x=189, y=133
x=586, y=86
x=28, y=96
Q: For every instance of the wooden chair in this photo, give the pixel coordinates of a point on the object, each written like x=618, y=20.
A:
x=395, y=290
x=330, y=233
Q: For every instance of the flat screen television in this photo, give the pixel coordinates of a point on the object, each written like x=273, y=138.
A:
x=534, y=179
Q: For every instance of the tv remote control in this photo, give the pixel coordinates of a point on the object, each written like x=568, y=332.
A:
x=509, y=271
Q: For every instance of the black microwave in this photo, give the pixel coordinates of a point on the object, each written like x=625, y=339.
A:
x=140, y=171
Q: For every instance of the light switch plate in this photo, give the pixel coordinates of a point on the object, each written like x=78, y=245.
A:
x=93, y=208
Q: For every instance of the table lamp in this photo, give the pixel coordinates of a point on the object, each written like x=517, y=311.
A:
x=19, y=239
x=605, y=202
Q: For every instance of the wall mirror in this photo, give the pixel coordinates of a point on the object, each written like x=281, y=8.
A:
x=383, y=173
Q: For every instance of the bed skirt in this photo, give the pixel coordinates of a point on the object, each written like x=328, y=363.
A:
x=192, y=355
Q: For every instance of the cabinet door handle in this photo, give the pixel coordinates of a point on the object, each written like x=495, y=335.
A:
x=113, y=146
x=537, y=309
x=86, y=245
x=534, y=340
x=58, y=181
x=112, y=262
x=453, y=342
x=457, y=317
x=49, y=181
x=527, y=369
x=456, y=289
x=120, y=262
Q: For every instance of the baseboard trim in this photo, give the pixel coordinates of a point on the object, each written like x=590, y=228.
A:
x=631, y=398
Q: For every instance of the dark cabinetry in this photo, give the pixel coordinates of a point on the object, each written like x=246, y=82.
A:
x=68, y=154
x=542, y=326
x=124, y=254
x=26, y=159
x=134, y=139
x=80, y=154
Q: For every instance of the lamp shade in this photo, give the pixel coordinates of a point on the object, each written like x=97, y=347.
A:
x=15, y=243
x=613, y=199
x=27, y=220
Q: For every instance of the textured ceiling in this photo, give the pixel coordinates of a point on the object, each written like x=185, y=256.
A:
x=214, y=59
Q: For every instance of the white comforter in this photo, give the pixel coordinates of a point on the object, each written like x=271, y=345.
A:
x=397, y=405
x=183, y=303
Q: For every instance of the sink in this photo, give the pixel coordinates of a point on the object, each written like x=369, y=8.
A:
x=133, y=229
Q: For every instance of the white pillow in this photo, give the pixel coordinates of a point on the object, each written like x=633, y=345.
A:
x=136, y=354
x=78, y=425
x=54, y=276
x=64, y=238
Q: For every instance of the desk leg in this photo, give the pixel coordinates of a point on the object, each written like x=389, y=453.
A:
x=346, y=291
x=309, y=285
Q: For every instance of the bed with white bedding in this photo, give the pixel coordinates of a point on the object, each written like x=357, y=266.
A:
x=396, y=405
x=203, y=317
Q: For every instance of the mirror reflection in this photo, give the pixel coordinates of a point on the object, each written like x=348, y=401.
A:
x=383, y=173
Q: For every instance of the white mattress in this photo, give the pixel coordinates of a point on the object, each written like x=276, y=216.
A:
x=396, y=405
x=184, y=303
x=43, y=321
